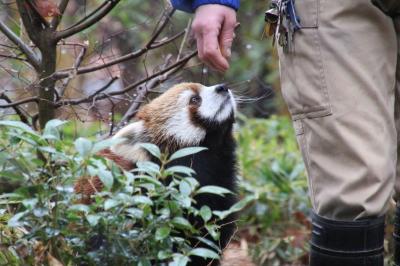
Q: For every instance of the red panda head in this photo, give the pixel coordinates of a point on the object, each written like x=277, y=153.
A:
x=178, y=118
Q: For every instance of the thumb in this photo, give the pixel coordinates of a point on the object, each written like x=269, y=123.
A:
x=226, y=37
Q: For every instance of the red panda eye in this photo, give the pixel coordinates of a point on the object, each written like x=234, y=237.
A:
x=195, y=100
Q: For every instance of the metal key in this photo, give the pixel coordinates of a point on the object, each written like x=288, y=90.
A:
x=282, y=23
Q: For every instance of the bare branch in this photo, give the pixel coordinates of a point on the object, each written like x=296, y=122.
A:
x=89, y=20
x=13, y=57
x=88, y=98
x=164, y=22
x=77, y=63
x=161, y=72
x=142, y=94
x=179, y=63
x=88, y=16
x=166, y=41
x=83, y=70
x=29, y=53
x=16, y=103
x=184, y=39
x=17, y=110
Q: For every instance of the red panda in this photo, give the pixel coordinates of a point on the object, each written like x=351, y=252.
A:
x=188, y=114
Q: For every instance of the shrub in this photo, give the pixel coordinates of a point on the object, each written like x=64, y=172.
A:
x=273, y=171
x=136, y=219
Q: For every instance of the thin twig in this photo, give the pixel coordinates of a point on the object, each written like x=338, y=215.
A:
x=167, y=16
x=63, y=42
x=83, y=70
x=57, y=19
x=88, y=98
x=13, y=57
x=187, y=30
x=32, y=58
x=88, y=21
x=77, y=63
x=26, y=100
x=182, y=62
x=87, y=16
x=161, y=72
x=17, y=110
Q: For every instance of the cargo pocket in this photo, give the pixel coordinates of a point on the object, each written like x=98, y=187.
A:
x=302, y=71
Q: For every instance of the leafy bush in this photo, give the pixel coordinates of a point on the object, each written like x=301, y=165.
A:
x=137, y=219
x=273, y=171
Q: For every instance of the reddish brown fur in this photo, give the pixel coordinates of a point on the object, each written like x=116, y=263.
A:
x=153, y=115
x=88, y=186
x=158, y=111
x=119, y=160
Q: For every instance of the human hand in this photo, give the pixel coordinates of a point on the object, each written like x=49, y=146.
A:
x=213, y=28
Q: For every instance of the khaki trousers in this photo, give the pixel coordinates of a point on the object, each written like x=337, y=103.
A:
x=340, y=84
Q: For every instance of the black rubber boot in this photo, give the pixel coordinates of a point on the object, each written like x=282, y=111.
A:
x=347, y=243
x=396, y=236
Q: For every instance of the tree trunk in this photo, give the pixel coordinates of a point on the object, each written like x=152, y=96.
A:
x=43, y=37
x=46, y=88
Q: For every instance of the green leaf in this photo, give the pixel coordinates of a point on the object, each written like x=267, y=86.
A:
x=185, y=152
x=212, y=229
x=48, y=149
x=192, y=181
x=185, y=188
x=80, y=207
x=180, y=169
x=111, y=203
x=12, y=176
x=83, y=146
x=184, y=201
x=214, y=190
x=15, y=220
x=144, y=262
x=242, y=203
x=149, y=179
x=19, y=125
x=3, y=158
x=152, y=149
x=164, y=254
x=106, y=178
x=40, y=212
x=135, y=212
x=162, y=233
x=104, y=144
x=30, y=203
x=93, y=219
x=236, y=207
x=142, y=200
x=204, y=253
x=205, y=213
x=148, y=167
x=179, y=260
x=181, y=222
x=209, y=243
x=51, y=130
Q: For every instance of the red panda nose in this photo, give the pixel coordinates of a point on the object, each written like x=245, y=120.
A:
x=221, y=89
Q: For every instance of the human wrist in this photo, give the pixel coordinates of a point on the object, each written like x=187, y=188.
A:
x=234, y=4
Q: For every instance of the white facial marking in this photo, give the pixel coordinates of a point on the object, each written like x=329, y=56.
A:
x=180, y=127
x=131, y=149
x=215, y=106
